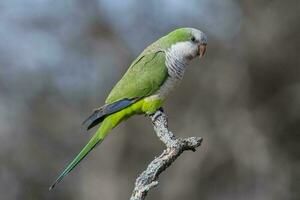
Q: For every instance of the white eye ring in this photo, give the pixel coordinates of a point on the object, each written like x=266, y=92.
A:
x=193, y=39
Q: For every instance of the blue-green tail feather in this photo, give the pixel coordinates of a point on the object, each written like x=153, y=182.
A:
x=89, y=147
x=107, y=125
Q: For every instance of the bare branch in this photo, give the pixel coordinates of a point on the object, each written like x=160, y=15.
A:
x=149, y=178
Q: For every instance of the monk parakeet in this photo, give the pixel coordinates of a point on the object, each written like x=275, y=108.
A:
x=145, y=86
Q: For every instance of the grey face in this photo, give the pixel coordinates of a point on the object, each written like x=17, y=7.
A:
x=193, y=47
x=199, y=36
x=200, y=39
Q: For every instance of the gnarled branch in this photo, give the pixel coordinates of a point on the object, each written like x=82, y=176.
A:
x=148, y=178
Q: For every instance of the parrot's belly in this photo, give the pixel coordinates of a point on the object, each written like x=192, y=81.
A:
x=152, y=103
x=169, y=85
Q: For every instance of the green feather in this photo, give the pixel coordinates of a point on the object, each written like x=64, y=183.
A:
x=90, y=145
x=108, y=124
x=142, y=79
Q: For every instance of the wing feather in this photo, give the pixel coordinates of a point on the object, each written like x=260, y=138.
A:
x=99, y=114
x=143, y=78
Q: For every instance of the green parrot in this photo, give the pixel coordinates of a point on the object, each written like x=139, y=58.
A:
x=145, y=86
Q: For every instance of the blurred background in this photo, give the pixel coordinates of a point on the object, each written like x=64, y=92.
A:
x=59, y=60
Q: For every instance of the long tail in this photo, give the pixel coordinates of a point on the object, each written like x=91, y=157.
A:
x=98, y=137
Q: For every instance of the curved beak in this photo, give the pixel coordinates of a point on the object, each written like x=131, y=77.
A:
x=201, y=50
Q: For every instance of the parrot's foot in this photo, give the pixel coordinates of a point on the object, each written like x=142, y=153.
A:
x=157, y=114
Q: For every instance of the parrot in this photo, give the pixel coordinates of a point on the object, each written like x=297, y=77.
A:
x=144, y=86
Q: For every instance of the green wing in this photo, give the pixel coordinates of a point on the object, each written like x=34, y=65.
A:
x=143, y=78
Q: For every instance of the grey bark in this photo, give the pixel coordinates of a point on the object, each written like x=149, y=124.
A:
x=149, y=178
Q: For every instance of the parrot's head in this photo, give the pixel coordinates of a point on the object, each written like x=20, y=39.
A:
x=186, y=43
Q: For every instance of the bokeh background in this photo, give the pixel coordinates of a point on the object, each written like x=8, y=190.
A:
x=59, y=60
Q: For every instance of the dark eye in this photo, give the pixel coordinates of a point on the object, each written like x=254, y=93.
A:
x=193, y=39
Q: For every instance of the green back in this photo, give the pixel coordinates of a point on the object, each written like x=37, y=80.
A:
x=148, y=72
x=141, y=79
